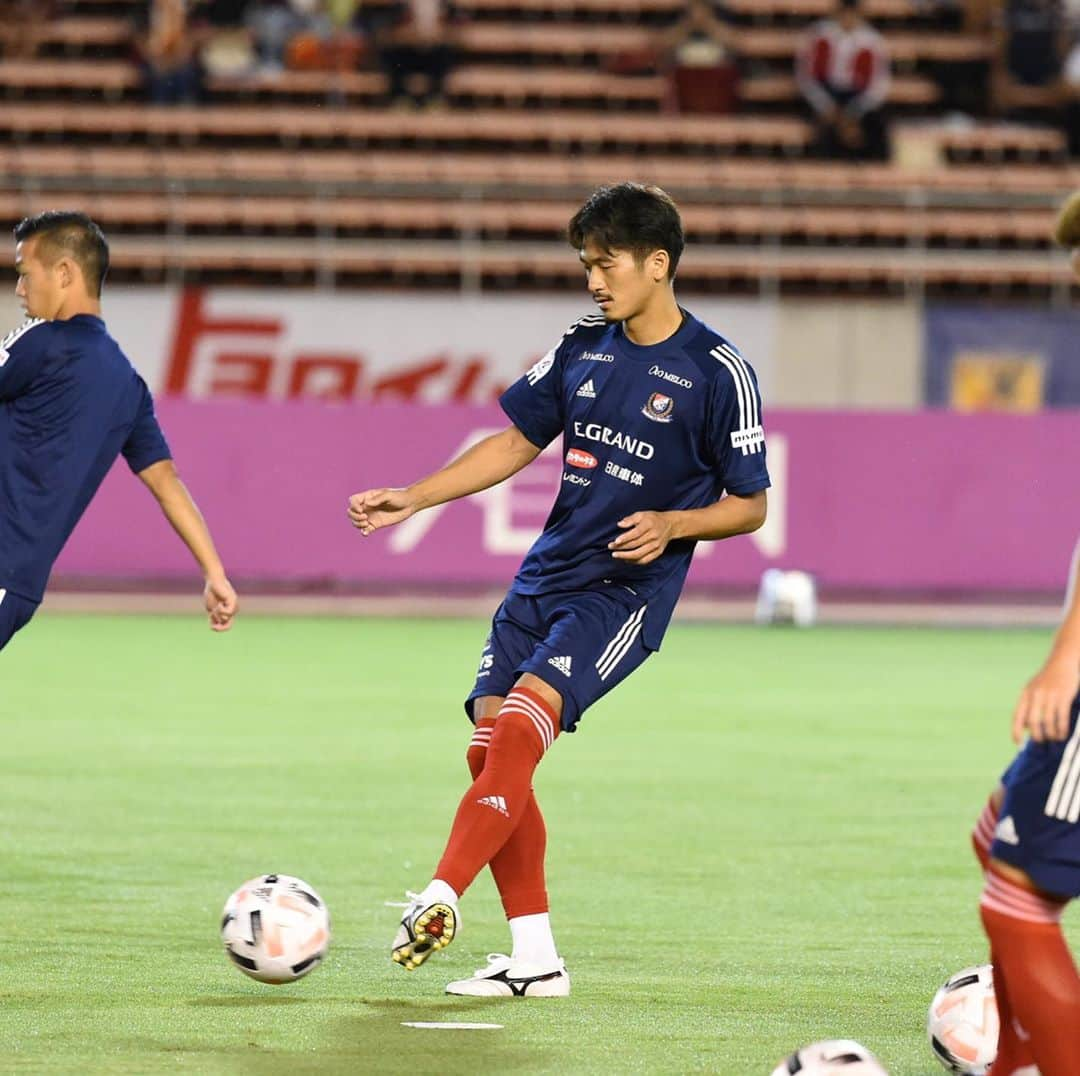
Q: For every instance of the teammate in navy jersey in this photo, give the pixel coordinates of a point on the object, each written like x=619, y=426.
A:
x=1028, y=841
x=70, y=402
x=660, y=418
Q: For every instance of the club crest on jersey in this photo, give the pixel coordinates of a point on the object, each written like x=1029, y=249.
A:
x=659, y=408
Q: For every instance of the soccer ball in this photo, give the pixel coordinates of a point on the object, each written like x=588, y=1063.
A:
x=786, y=598
x=834, y=1057
x=275, y=928
x=963, y=1021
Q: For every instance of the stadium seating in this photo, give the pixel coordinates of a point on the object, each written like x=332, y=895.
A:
x=536, y=118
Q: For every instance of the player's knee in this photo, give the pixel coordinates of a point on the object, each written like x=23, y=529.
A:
x=1009, y=902
x=476, y=753
x=475, y=757
x=519, y=735
x=982, y=836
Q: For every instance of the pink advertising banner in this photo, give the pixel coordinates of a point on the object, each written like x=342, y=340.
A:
x=868, y=500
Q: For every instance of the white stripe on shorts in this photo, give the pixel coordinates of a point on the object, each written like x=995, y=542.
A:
x=1061, y=803
x=618, y=647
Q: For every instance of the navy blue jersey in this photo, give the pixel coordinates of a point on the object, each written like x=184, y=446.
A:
x=660, y=428
x=70, y=402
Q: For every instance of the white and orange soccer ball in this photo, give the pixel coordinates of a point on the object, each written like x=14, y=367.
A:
x=275, y=928
x=963, y=1021
x=833, y=1057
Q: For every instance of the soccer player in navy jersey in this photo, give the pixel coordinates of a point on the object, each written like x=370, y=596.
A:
x=70, y=402
x=1028, y=842
x=660, y=418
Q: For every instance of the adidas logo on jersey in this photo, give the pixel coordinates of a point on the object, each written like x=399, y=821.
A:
x=562, y=664
x=495, y=801
x=1006, y=831
x=587, y=390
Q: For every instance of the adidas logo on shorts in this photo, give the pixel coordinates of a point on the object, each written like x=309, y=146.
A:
x=562, y=664
x=1006, y=831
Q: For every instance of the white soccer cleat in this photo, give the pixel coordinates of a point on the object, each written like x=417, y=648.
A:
x=425, y=929
x=506, y=978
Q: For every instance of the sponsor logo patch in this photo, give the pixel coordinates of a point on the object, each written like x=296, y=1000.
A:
x=576, y=457
x=748, y=438
x=595, y=356
x=682, y=382
x=605, y=435
x=659, y=407
x=624, y=474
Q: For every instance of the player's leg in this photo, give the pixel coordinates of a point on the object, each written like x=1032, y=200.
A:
x=1034, y=975
x=526, y=726
x=518, y=867
x=533, y=968
x=502, y=754
x=982, y=836
x=593, y=644
x=15, y=613
x=1033, y=871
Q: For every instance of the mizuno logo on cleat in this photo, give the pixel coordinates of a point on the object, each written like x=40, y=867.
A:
x=562, y=664
x=497, y=802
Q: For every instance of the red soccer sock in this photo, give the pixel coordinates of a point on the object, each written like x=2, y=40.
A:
x=495, y=804
x=982, y=836
x=1013, y=1051
x=518, y=867
x=1042, y=988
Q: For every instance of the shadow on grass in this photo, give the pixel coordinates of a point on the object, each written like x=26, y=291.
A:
x=247, y=1001
x=370, y=1041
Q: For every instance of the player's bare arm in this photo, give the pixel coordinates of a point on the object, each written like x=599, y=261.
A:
x=186, y=519
x=646, y=534
x=485, y=464
x=1043, y=706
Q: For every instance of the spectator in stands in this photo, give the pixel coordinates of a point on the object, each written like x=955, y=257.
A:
x=224, y=13
x=168, y=51
x=1030, y=39
x=417, y=50
x=699, y=57
x=843, y=72
x=331, y=37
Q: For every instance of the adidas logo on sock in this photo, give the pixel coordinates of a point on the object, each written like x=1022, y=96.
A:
x=497, y=802
x=1006, y=831
x=562, y=664
x=587, y=390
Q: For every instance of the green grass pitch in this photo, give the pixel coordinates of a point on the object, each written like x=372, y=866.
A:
x=758, y=841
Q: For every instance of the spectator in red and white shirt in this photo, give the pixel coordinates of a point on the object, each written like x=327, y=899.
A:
x=843, y=72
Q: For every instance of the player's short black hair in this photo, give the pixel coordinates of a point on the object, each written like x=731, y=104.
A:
x=633, y=217
x=68, y=232
x=1067, y=230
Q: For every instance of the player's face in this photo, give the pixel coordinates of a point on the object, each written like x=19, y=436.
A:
x=39, y=288
x=1074, y=261
x=617, y=283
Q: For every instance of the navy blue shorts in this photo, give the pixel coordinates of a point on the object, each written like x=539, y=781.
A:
x=15, y=612
x=1038, y=829
x=581, y=643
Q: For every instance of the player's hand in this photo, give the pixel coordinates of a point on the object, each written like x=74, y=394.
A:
x=645, y=536
x=221, y=603
x=375, y=508
x=1044, y=704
